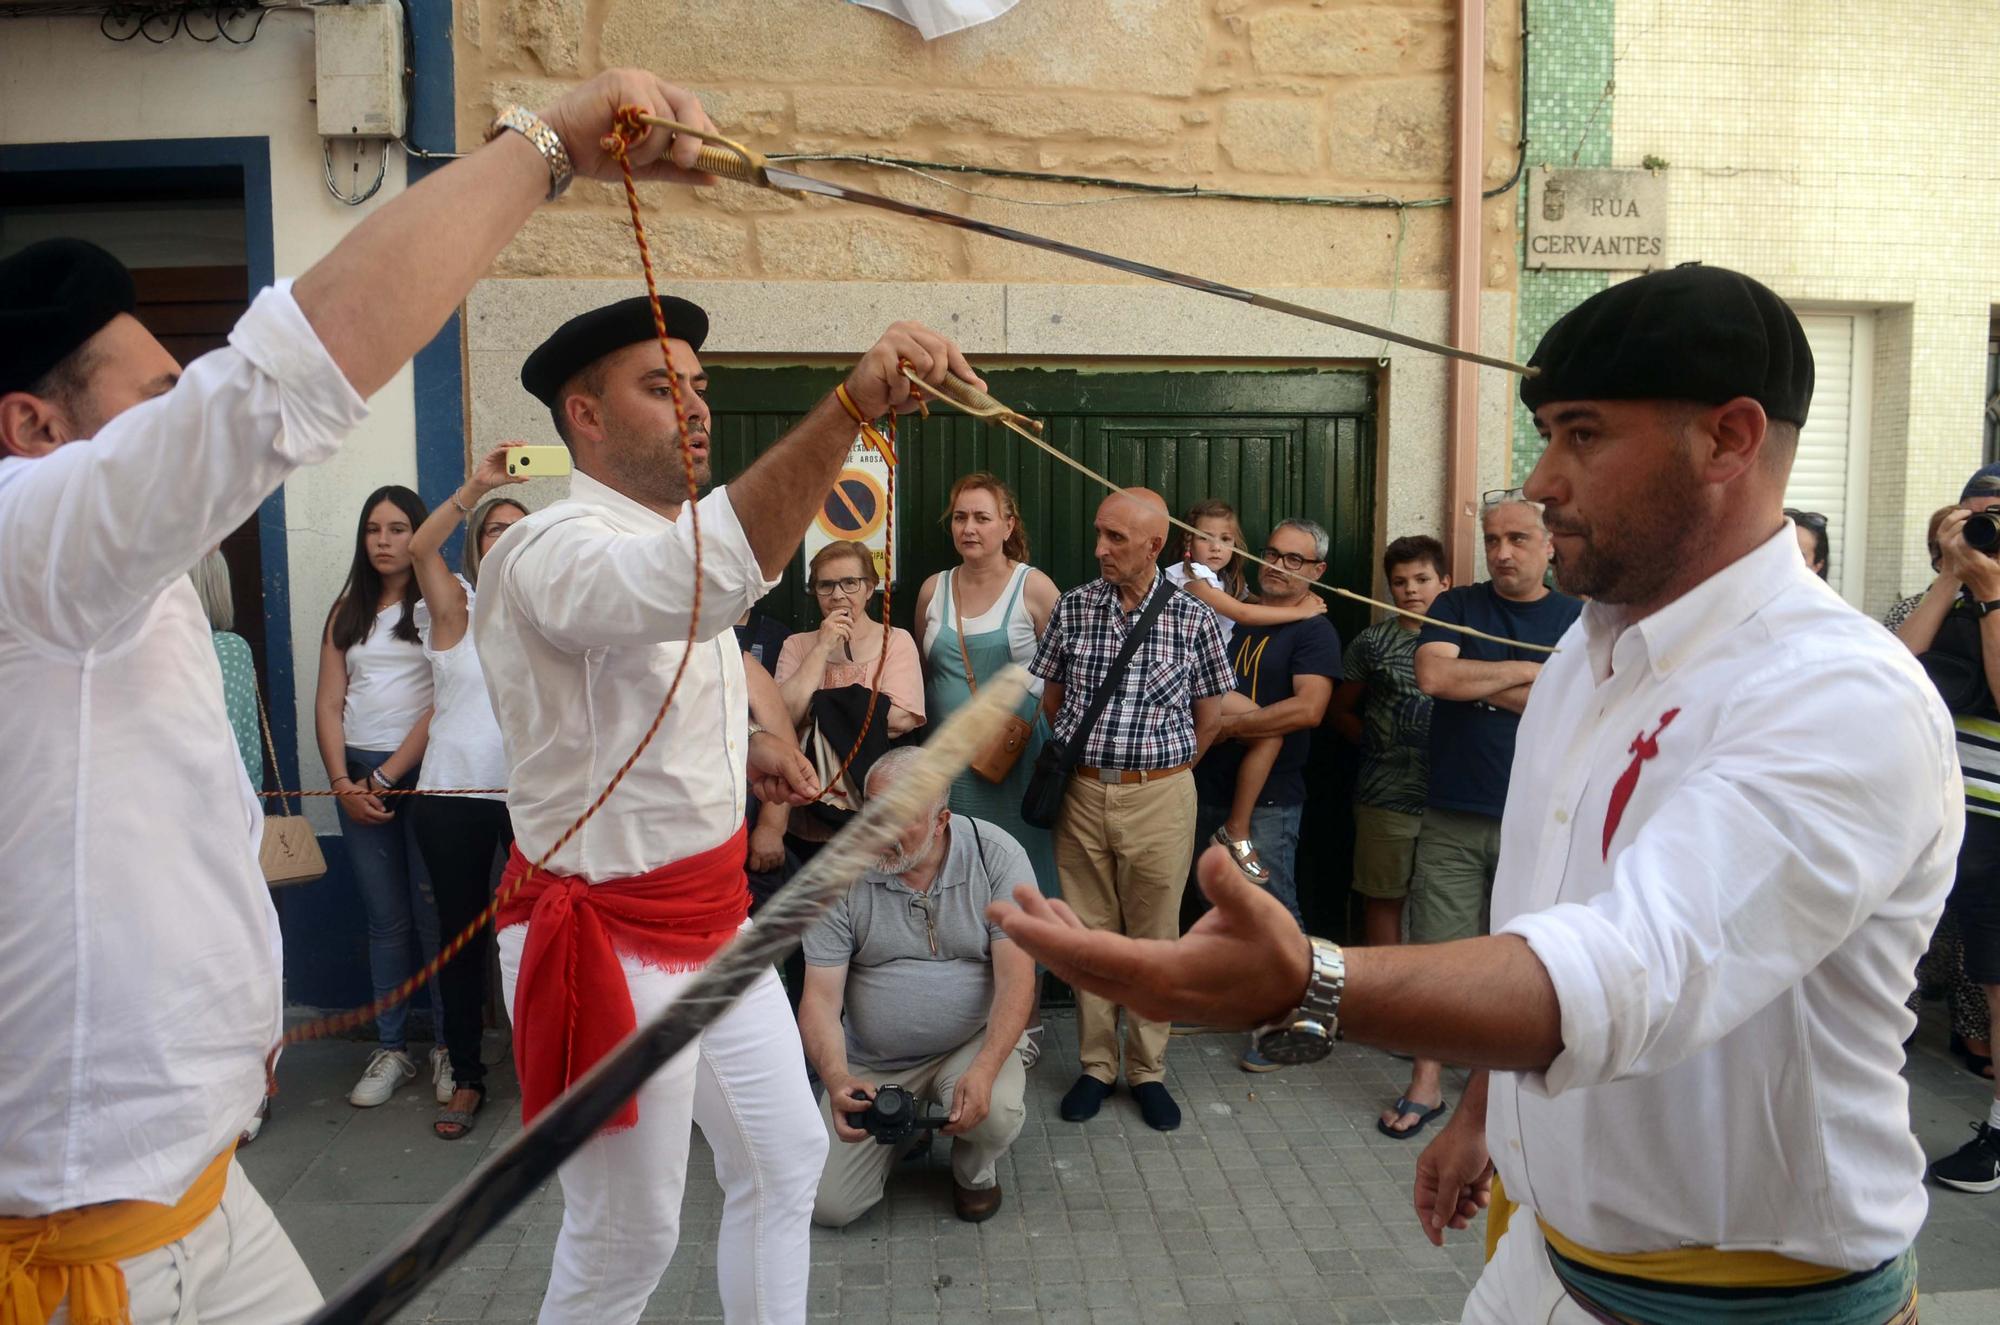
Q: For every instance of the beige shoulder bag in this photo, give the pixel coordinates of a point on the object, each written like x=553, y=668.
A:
x=290, y=851
x=997, y=760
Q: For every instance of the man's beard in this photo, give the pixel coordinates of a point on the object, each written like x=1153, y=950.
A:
x=651, y=469
x=895, y=861
x=1634, y=556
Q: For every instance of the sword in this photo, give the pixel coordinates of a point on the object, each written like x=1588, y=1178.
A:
x=729, y=159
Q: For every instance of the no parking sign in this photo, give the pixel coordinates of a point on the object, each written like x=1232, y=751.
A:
x=857, y=508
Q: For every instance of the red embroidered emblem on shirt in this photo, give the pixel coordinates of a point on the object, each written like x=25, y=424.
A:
x=1644, y=747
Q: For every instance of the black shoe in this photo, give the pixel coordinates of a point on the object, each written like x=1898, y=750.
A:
x=1157, y=1107
x=1974, y=1166
x=1084, y=1099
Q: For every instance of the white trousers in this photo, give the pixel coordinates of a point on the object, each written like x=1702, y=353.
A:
x=744, y=1084
x=1518, y=1286
x=236, y=1268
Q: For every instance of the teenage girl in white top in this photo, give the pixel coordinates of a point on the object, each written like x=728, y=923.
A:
x=1210, y=570
x=462, y=835
x=373, y=711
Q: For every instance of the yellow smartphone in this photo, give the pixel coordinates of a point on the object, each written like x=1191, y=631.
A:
x=537, y=461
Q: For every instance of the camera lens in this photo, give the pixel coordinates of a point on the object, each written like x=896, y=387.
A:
x=1982, y=532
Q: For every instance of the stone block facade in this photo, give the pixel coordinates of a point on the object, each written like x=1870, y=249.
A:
x=1316, y=97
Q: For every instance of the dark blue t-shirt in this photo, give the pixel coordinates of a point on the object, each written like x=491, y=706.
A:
x=1472, y=742
x=1265, y=659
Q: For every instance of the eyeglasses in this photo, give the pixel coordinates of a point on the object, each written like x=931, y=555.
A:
x=923, y=905
x=849, y=585
x=1810, y=519
x=1289, y=560
x=1496, y=496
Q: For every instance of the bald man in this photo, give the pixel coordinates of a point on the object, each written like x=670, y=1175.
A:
x=1126, y=834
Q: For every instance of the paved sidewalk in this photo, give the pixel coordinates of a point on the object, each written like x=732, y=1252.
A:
x=1277, y=1201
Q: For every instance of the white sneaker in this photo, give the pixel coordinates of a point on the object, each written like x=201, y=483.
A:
x=388, y=1069
x=441, y=1080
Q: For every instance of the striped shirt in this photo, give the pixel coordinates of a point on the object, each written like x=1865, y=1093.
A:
x=1978, y=736
x=1149, y=723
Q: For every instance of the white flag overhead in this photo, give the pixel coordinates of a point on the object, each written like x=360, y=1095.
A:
x=940, y=18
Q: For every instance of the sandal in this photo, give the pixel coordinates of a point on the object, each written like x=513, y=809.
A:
x=1404, y=1104
x=1030, y=1047
x=452, y=1124
x=1244, y=853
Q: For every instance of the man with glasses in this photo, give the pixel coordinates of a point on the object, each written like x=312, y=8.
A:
x=1287, y=672
x=908, y=984
x=1478, y=689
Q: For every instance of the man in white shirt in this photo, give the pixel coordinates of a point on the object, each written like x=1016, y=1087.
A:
x=1734, y=814
x=584, y=622
x=139, y=960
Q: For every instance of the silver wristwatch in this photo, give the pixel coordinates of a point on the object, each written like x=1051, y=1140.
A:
x=537, y=131
x=1306, y=1036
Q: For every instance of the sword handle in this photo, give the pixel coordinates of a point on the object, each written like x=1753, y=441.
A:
x=719, y=156
x=974, y=401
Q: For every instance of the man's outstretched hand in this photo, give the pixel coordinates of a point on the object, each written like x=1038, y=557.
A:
x=1243, y=964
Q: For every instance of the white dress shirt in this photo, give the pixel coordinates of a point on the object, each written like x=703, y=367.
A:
x=139, y=956
x=1732, y=977
x=583, y=618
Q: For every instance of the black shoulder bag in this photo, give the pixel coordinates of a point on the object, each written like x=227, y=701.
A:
x=1041, y=804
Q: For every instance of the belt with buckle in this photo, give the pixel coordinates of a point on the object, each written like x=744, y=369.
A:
x=1129, y=776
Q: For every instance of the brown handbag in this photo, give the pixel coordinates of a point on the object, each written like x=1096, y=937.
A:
x=290, y=850
x=997, y=760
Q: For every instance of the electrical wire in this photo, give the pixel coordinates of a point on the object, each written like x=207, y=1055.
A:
x=381, y=171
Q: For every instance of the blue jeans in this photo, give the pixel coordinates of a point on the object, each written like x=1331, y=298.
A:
x=1274, y=831
x=396, y=894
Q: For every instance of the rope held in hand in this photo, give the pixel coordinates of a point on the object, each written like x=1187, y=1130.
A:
x=627, y=130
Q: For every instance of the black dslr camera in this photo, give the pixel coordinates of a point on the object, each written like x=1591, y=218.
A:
x=895, y=1115
x=1982, y=532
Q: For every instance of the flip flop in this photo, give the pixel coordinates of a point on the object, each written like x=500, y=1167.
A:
x=458, y=1118
x=1405, y=1104
x=1244, y=853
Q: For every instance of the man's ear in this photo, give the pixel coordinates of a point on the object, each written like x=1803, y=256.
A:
x=30, y=426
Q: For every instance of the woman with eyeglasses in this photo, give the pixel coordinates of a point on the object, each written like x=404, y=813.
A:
x=826, y=677
x=462, y=835
x=1813, y=545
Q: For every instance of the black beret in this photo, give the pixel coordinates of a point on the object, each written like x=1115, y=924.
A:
x=54, y=296
x=1687, y=333
x=588, y=337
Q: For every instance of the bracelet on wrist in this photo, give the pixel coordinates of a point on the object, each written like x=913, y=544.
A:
x=468, y=510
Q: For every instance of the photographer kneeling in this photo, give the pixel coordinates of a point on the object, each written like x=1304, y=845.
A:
x=1955, y=633
x=936, y=1000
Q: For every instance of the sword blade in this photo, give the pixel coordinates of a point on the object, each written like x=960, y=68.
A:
x=790, y=180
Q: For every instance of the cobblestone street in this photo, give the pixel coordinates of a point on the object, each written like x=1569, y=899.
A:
x=1276, y=1201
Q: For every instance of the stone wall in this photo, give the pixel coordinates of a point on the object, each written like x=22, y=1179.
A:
x=1320, y=97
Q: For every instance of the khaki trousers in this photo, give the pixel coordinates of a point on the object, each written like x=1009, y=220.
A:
x=1122, y=853
x=856, y=1171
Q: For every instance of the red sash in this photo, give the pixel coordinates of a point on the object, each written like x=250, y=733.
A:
x=571, y=1003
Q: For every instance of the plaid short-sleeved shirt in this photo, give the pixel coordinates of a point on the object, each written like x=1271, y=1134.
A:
x=1149, y=723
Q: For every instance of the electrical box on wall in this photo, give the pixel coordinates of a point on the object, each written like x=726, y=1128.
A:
x=359, y=64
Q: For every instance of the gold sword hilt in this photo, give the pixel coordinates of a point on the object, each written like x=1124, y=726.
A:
x=720, y=156
x=971, y=400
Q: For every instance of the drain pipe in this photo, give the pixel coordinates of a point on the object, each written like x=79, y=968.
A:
x=1462, y=535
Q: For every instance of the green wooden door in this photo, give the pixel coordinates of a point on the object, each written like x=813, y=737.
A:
x=1272, y=444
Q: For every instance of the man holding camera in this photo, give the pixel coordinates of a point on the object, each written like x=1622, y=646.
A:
x=935, y=999
x=1955, y=633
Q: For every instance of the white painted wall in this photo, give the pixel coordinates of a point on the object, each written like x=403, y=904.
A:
x=62, y=81
x=1841, y=152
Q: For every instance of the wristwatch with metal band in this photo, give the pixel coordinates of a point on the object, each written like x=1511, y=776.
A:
x=537, y=131
x=1306, y=1036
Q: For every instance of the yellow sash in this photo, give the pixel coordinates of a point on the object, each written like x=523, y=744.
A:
x=1705, y=1267
x=75, y=1253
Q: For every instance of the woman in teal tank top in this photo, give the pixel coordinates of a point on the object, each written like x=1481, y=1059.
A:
x=1003, y=605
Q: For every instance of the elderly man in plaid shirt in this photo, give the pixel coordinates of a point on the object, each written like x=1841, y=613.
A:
x=1127, y=830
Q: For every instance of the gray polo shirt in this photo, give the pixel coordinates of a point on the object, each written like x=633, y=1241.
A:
x=905, y=1003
